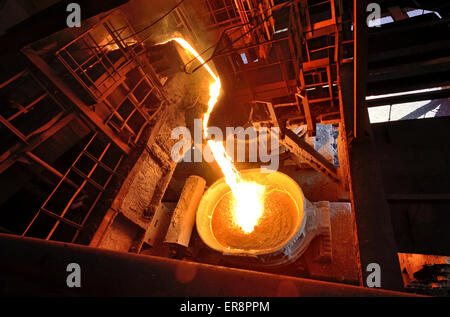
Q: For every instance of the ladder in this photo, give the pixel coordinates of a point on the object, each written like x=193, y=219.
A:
x=316, y=44
x=104, y=161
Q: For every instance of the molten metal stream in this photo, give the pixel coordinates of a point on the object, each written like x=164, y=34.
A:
x=249, y=196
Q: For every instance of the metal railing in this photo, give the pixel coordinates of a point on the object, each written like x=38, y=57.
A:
x=83, y=184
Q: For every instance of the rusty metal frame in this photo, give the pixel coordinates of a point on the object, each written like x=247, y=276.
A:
x=24, y=150
x=86, y=179
x=289, y=84
x=137, y=107
x=314, y=26
x=297, y=40
x=90, y=45
x=127, y=61
x=92, y=118
x=226, y=8
x=7, y=122
x=298, y=147
x=301, y=34
x=20, y=149
x=114, y=74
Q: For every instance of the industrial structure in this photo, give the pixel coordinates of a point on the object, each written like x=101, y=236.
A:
x=357, y=91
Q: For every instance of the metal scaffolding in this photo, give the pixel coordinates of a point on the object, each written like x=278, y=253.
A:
x=83, y=184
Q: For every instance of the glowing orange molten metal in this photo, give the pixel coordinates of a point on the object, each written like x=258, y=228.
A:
x=249, y=196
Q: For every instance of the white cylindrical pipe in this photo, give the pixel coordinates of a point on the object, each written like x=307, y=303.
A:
x=158, y=226
x=183, y=219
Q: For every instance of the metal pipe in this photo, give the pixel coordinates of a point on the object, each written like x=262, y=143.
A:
x=183, y=219
x=50, y=169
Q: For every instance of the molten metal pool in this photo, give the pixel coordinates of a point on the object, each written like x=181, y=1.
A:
x=281, y=220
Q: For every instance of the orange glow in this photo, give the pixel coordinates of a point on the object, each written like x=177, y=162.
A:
x=249, y=196
x=250, y=205
x=214, y=93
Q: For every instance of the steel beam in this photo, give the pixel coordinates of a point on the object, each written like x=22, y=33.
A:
x=80, y=105
x=36, y=267
x=19, y=35
x=410, y=97
x=301, y=149
x=20, y=149
x=374, y=229
x=360, y=67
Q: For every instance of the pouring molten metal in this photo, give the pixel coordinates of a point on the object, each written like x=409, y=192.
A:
x=248, y=205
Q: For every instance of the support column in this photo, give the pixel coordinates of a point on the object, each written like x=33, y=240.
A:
x=374, y=230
